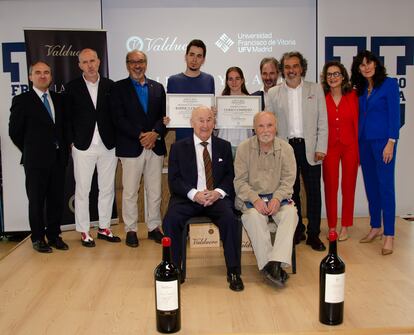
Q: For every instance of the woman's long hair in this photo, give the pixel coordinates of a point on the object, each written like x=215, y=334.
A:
x=358, y=80
x=226, y=90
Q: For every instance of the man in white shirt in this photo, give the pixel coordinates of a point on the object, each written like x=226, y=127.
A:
x=36, y=127
x=301, y=112
x=92, y=134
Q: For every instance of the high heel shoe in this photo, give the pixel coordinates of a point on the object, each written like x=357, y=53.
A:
x=343, y=237
x=387, y=251
x=369, y=238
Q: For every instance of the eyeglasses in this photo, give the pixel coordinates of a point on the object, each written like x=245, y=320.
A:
x=136, y=62
x=333, y=74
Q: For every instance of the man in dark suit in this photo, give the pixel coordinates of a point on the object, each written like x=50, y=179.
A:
x=200, y=176
x=92, y=135
x=36, y=128
x=139, y=107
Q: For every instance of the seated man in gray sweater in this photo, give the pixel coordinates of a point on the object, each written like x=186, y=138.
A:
x=265, y=171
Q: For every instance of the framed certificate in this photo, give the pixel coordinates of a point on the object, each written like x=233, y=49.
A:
x=237, y=111
x=180, y=106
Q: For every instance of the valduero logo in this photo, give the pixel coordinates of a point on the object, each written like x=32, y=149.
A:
x=155, y=44
x=395, y=52
x=8, y=49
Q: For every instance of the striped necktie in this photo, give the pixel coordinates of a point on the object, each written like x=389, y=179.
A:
x=207, y=167
x=47, y=105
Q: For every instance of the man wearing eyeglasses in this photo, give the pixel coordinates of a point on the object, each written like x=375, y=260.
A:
x=139, y=107
x=300, y=108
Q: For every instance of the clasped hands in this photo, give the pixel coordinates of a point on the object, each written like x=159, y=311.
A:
x=206, y=197
x=148, y=139
x=267, y=208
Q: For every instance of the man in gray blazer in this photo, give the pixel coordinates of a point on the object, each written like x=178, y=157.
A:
x=301, y=112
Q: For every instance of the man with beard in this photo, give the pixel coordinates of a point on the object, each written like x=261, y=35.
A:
x=138, y=104
x=269, y=71
x=192, y=81
x=300, y=108
x=265, y=172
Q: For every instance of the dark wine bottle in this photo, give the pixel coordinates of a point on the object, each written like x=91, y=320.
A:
x=167, y=292
x=331, y=285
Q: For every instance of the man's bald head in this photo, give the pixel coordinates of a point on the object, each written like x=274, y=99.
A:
x=265, y=126
x=202, y=121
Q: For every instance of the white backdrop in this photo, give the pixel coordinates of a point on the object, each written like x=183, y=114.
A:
x=252, y=29
x=377, y=20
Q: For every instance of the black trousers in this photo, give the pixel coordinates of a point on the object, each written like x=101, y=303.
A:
x=312, y=181
x=45, y=192
x=221, y=213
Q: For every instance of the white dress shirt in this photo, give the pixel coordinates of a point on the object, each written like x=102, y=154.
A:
x=201, y=172
x=93, y=92
x=295, y=110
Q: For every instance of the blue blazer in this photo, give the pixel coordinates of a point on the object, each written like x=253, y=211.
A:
x=182, y=167
x=379, y=114
x=131, y=120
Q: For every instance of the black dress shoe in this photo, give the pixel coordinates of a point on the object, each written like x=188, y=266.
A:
x=58, y=243
x=41, y=246
x=236, y=283
x=131, y=239
x=284, y=275
x=299, y=237
x=106, y=234
x=273, y=272
x=315, y=243
x=155, y=235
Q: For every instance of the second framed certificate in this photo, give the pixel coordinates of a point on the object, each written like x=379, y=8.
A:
x=180, y=106
x=237, y=111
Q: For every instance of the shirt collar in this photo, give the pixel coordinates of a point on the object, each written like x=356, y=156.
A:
x=40, y=93
x=198, y=141
x=96, y=83
x=137, y=83
x=290, y=88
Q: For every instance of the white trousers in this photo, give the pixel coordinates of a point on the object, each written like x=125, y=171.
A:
x=149, y=164
x=84, y=162
x=257, y=228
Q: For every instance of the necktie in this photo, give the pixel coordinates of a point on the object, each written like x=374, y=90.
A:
x=207, y=167
x=47, y=105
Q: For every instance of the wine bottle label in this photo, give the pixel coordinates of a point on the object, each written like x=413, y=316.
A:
x=334, y=288
x=167, y=295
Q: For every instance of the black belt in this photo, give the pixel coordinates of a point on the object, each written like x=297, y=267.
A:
x=295, y=140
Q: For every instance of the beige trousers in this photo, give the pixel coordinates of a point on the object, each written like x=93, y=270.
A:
x=257, y=228
x=149, y=164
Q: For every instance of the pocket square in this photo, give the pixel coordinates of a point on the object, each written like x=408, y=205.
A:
x=220, y=160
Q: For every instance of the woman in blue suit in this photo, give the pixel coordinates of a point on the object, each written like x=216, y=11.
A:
x=379, y=124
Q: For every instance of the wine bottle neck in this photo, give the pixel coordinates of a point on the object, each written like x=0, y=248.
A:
x=332, y=248
x=166, y=254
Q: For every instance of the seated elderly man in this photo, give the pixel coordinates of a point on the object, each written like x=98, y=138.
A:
x=200, y=177
x=265, y=170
